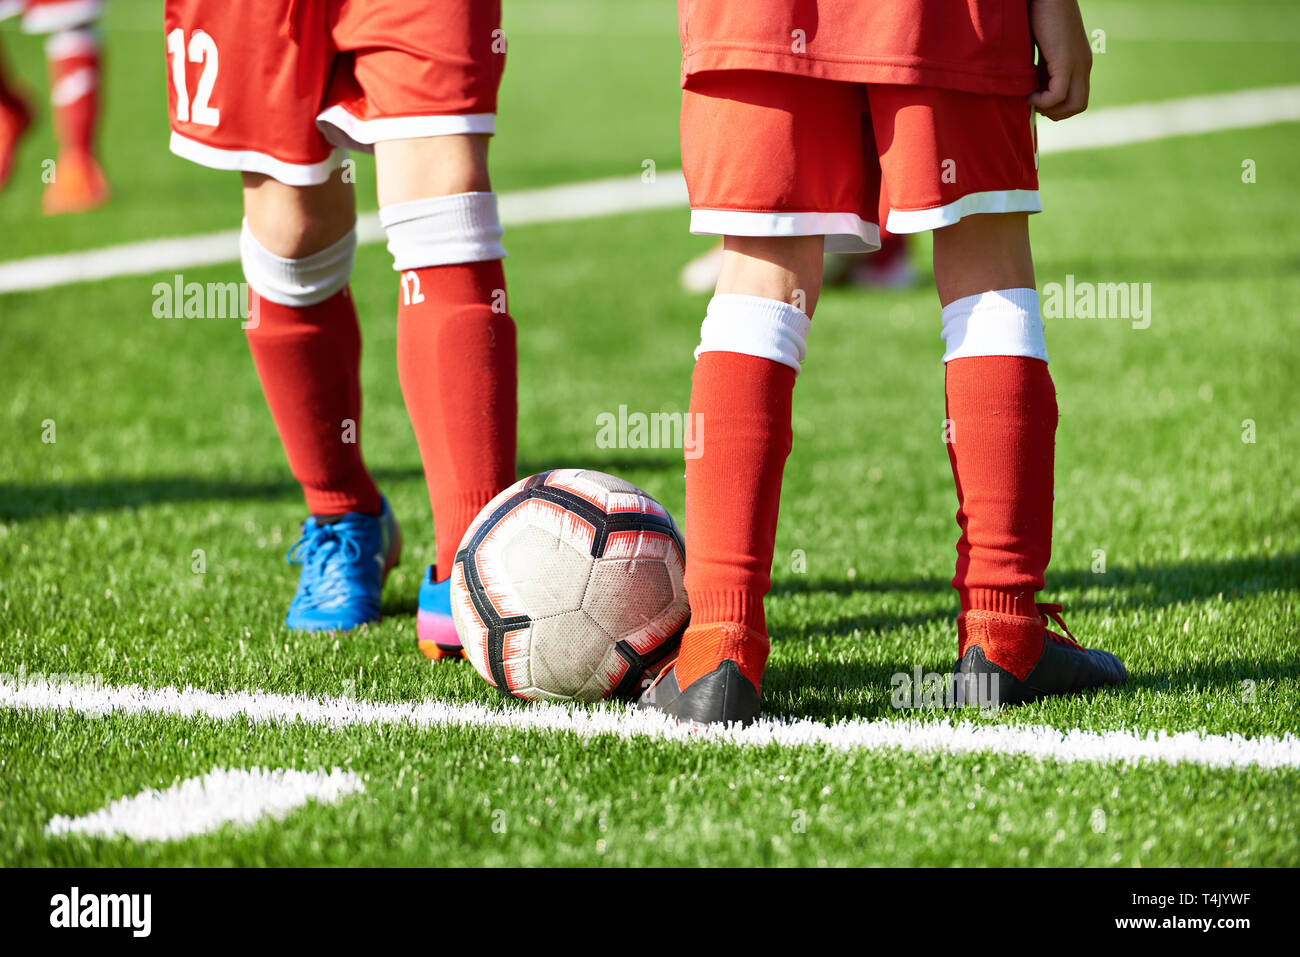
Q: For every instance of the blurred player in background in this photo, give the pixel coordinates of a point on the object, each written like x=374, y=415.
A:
x=278, y=90
x=889, y=267
x=72, y=50
x=800, y=138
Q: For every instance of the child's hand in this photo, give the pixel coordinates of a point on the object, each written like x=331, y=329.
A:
x=1064, y=58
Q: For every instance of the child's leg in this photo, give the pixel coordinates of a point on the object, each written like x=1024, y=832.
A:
x=775, y=164
x=1001, y=410
x=456, y=353
x=297, y=253
x=15, y=117
x=1001, y=442
x=751, y=346
x=73, y=56
x=752, y=343
x=297, y=247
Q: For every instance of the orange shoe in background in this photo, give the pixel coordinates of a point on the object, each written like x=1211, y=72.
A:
x=78, y=186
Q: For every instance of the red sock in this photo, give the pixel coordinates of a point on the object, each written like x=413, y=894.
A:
x=15, y=117
x=309, y=361
x=1002, y=414
x=456, y=360
x=733, y=489
x=74, y=89
x=8, y=94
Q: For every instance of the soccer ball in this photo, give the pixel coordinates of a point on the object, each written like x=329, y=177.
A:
x=568, y=587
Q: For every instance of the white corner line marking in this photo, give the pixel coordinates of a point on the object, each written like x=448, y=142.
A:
x=1105, y=127
x=202, y=804
x=967, y=737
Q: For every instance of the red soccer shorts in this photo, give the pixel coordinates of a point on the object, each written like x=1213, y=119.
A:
x=283, y=87
x=774, y=154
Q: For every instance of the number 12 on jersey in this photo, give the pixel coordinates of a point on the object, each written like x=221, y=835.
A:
x=201, y=49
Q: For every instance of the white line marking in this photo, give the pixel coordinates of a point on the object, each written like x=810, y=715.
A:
x=1042, y=743
x=551, y=204
x=1189, y=116
x=1111, y=126
x=198, y=805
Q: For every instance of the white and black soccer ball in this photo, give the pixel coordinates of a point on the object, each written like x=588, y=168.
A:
x=568, y=586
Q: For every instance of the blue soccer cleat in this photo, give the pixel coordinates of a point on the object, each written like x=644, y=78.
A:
x=435, y=632
x=344, y=565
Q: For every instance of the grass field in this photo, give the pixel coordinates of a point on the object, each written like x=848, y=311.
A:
x=1177, y=522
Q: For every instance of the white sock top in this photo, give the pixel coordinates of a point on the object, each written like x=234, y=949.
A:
x=755, y=326
x=296, y=282
x=443, y=230
x=1005, y=322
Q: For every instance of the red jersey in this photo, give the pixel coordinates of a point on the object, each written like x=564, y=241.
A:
x=977, y=46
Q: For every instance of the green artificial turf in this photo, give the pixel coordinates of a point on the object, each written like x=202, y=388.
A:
x=164, y=448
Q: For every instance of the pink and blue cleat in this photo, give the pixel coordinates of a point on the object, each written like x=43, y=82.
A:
x=435, y=632
x=344, y=564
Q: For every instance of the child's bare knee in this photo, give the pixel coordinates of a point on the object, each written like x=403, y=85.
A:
x=785, y=268
x=982, y=253
x=297, y=221
x=431, y=166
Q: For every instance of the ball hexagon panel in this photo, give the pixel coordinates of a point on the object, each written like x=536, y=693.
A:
x=548, y=573
x=565, y=652
x=624, y=595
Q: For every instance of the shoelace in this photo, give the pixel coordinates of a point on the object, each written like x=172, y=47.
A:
x=1051, y=612
x=318, y=551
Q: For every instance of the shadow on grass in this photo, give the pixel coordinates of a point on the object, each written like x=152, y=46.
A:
x=23, y=501
x=862, y=690
x=1142, y=586
x=854, y=686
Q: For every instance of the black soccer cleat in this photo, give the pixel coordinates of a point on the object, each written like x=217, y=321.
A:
x=723, y=696
x=1007, y=659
